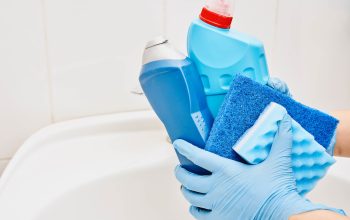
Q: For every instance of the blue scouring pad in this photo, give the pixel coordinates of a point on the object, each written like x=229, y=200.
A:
x=243, y=105
x=310, y=161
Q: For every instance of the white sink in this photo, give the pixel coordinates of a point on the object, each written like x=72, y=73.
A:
x=110, y=167
x=100, y=168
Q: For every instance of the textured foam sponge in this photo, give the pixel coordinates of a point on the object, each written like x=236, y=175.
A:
x=243, y=105
x=310, y=161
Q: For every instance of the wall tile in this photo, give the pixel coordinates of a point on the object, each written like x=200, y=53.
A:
x=95, y=50
x=254, y=17
x=179, y=15
x=312, y=51
x=24, y=90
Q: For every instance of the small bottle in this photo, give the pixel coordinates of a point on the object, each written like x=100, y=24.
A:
x=174, y=89
x=220, y=53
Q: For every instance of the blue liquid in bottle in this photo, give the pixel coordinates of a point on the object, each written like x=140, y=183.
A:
x=174, y=89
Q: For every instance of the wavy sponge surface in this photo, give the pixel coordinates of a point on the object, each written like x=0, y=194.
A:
x=242, y=107
x=310, y=161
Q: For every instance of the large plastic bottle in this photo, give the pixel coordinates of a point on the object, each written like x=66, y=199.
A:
x=220, y=52
x=174, y=89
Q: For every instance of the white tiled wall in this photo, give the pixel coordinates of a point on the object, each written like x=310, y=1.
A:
x=24, y=86
x=311, y=51
x=95, y=50
x=63, y=59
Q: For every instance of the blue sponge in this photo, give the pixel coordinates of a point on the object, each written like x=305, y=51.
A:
x=310, y=161
x=242, y=107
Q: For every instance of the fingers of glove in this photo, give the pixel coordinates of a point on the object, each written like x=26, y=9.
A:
x=279, y=85
x=283, y=141
x=193, y=182
x=202, y=158
x=196, y=199
x=200, y=214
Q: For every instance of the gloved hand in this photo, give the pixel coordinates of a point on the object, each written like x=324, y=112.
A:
x=240, y=191
x=279, y=85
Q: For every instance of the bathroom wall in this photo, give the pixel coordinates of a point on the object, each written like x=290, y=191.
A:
x=65, y=59
x=24, y=83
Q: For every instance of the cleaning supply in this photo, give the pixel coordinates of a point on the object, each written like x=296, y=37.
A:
x=220, y=52
x=174, y=89
x=243, y=105
x=310, y=161
x=282, y=87
x=240, y=191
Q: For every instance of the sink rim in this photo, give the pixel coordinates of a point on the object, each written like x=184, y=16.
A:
x=93, y=124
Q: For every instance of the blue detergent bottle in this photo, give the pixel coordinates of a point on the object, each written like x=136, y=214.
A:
x=174, y=89
x=220, y=53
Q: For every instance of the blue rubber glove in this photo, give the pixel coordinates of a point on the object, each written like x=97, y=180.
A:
x=279, y=85
x=240, y=191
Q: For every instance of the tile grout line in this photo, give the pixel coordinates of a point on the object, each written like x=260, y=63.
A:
x=48, y=63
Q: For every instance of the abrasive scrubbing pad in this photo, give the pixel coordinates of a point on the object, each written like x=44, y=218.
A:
x=243, y=105
x=310, y=161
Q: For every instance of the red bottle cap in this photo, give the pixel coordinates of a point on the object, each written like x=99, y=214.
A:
x=215, y=19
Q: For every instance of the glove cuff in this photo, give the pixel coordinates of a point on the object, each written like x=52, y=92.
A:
x=330, y=149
